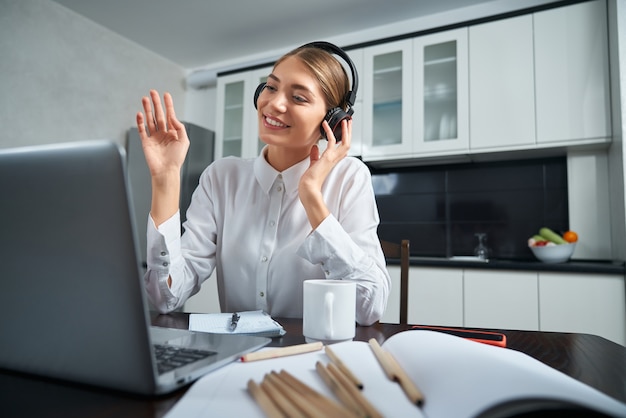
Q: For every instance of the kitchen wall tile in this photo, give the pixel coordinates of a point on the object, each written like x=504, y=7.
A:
x=425, y=207
x=442, y=208
x=494, y=176
x=410, y=181
x=427, y=239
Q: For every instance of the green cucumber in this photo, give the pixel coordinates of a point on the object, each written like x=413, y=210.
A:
x=550, y=235
x=538, y=238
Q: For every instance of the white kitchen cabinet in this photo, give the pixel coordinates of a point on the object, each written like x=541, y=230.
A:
x=387, y=100
x=593, y=304
x=356, y=55
x=236, y=131
x=501, y=299
x=572, y=73
x=440, y=68
x=502, y=86
x=436, y=296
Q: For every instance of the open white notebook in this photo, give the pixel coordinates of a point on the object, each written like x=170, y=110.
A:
x=256, y=323
x=459, y=378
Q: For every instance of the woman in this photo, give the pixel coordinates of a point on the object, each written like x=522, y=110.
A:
x=267, y=224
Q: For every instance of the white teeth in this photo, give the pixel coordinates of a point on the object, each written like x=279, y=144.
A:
x=274, y=122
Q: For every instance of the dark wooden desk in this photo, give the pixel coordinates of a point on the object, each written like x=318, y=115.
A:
x=593, y=360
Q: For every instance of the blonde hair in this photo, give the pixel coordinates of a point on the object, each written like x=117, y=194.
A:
x=331, y=75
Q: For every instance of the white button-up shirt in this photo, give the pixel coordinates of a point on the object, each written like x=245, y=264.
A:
x=246, y=220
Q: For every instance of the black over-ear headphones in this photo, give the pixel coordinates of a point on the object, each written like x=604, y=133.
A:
x=335, y=115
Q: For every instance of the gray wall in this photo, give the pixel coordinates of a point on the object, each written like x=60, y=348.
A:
x=65, y=78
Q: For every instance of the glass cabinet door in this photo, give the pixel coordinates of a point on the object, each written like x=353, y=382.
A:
x=441, y=87
x=256, y=145
x=230, y=122
x=233, y=118
x=386, y=107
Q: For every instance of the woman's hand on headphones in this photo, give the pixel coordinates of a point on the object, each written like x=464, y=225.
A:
x=310, y=186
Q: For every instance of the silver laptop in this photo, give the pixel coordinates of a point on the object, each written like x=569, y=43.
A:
x=72, y=298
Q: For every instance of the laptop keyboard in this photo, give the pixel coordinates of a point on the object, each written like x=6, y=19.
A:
x=170, y=357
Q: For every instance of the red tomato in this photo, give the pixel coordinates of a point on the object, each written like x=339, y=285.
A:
x=541, y=243
x=570, y=236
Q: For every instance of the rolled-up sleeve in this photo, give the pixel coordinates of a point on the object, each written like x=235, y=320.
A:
x=330, y=246
x=164, y=251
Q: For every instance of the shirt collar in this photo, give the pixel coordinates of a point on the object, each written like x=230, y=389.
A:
x=266, y=174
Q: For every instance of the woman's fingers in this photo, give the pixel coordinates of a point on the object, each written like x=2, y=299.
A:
x=140, y=125
x=156, y=119
x=147, y=109
x=346, y=132
x=171, y=113
x=159, y=116
x=330, y=136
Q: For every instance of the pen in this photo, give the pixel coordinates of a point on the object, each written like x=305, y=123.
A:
x=233, y=321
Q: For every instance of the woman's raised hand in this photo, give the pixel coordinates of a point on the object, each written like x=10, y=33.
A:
x=164, y=142
x=165, y=145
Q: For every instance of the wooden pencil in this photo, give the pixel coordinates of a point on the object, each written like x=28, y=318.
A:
x=268, y=406
x=382, y=358
x=340, y=364
x=355, y=393
x=411, y=390
x=331, y=407
x=283, y=402
x=340, y=392
x=283, y=351
x=396, y=373
x=306, y=405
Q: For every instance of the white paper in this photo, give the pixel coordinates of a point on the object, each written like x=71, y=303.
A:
x=223, y=393
x=459, y=378
x=250, y=322
x=464, y=378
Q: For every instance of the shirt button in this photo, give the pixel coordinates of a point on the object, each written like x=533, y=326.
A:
x=165, y=264
x=262, y=294
x=327, y=272
x=272, y=223
x=264, y=259
x=163, y=253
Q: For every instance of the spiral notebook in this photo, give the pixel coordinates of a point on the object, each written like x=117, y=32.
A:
x=256, y=323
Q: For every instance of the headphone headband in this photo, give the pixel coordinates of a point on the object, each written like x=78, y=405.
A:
x=334, y=49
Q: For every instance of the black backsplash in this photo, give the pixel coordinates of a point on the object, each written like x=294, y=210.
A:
x=440, y=208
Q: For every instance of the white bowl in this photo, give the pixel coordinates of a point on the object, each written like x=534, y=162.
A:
x=554, y=253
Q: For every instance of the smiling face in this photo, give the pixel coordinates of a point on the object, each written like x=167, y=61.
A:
x=291, y=107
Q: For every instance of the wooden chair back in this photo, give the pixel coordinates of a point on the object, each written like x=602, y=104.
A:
x=400, y=251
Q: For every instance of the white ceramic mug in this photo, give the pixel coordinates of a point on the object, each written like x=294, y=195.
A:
x=329, y=308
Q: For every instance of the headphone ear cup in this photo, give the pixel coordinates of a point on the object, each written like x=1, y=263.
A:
x=334, y=117
x=257, y=93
